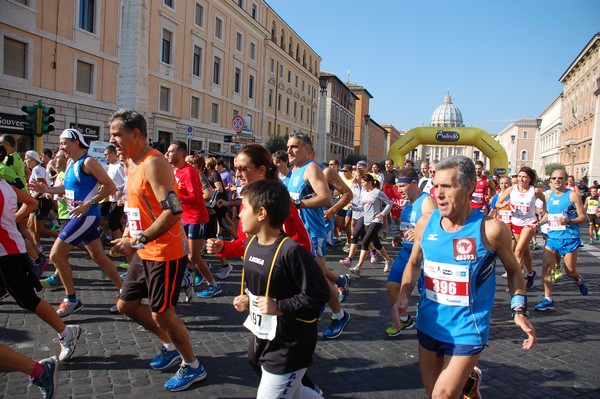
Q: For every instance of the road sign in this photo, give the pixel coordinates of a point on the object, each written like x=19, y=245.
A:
x=190, y=132
x=237, y=123
x=583, y=168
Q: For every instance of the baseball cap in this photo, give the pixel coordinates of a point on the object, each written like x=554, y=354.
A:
x=73, y=134
x=362, y=164
x=347, y=168
x=33, y=155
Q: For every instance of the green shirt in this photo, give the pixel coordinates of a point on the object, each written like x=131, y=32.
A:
x=15, y=162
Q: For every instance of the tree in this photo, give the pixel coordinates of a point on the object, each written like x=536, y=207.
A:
x=352, y=159
x=551, y=167
x=277, y=143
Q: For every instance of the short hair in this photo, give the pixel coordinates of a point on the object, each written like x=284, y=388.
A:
x=211, y=162
x=410, y=173
x=480, y=163
x=408, y=161
x=272, y=195
x=48, y=152
x=530, y=172
x=181, y=145
x=335, y=161
x=130, y=120
x=463, y=165
x=391, y=160
x=305, y=138
x=8, y=139
x=2, y=153
x=221, y=162
x=260, y=156
x=196, y=161
x=110, y=148
x=281, y=156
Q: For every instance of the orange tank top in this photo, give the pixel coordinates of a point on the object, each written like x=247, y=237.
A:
x=143, y=209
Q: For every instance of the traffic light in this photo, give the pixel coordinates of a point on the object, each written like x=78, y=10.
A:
x=30, y=118
x=46, y=120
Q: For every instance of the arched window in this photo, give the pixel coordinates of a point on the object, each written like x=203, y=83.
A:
x=273, y=29
x=524, y=155
x=282, y=42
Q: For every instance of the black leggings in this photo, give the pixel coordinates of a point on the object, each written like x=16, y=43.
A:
x=358, y=231
x=372, y=237
x=17, y=276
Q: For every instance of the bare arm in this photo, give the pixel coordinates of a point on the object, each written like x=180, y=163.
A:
x=502, y=199
x=28, y=204
x=576, y=200
x=93, y=167
x=336, y=182
x=315, y=177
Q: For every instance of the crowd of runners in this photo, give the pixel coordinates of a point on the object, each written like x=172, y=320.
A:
x=279, y=213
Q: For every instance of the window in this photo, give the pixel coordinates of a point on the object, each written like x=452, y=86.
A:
x=254, y=12
x=197, y=65
x=250, y=86
x=253, y=51
x=287, y=106
x=237, y=77
x=217, y=71
x=214, y=113
x=279, y=102
x=199, y=15
x=84, y=77
x=239, y=40
x=86, y=15
x=524, y=155
x=15, y=58
x=280, y=71
x=218, y=28
x=240, y=3
x=295, y=109
x=289, y=76
x=525, y=134
x=270, y=98
x=169, y=3
x=195, y=108
x=165, y=99
x=272, y=65
x=166, y=47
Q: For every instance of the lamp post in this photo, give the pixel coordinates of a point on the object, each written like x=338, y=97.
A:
x=321, y=147
x=513, y=151
x=366, y=136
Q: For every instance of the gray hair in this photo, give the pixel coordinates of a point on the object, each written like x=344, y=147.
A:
x=464, y=166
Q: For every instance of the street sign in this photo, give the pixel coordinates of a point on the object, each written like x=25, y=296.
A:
x=583, y=168
x=237, y=123
x=190, y=132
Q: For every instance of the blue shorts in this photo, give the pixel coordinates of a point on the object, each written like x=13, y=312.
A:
x=399, y=265
x=195, y=231
x=563, y=247
x=447, y=349
x=319, y=247
x=345, y=213
x=81, y=230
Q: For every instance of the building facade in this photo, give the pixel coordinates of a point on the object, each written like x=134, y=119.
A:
x=189, y=66
x=518, y=139
x=547, y=144
x=361, y=119
x=579, y=110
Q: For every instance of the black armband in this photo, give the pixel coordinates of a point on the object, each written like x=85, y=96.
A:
x=172, y=203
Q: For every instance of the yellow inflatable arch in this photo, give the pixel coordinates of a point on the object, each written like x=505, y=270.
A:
x=452, y=136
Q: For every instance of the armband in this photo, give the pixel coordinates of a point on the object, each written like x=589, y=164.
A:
x=518, y=301
x=172, y=203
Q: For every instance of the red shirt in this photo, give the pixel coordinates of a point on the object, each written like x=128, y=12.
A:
x=190, y=195
x=480, y=199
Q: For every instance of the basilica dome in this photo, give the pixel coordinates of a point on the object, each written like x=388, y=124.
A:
x=447, y=114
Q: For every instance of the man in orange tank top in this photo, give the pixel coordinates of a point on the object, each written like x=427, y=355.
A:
x=155, y=239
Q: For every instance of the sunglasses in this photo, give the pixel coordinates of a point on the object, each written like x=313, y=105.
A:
x=557, y=178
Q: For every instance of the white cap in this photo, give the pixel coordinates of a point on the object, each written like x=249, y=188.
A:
x=74, y=134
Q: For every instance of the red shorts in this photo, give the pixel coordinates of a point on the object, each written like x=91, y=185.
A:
x=517, y=229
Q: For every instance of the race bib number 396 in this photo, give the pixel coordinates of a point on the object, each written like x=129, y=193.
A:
x=447, y=284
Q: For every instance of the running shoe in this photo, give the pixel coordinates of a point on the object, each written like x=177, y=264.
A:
x=343, y=290
x=558, y=272
x=165, y=359
x=184, y=377
x=67, y=307
x=405, y=325
x=505, y=275
x=198, y=279
x=49, y=379
x=55, y=227
x=583, y=287
x=383, y=236
x=211, y=291
x=546, y=304
x=374, y=257
x=535, y=246
x=124, y=265
x=68, y=342
x=355, y=270
x=346, y=262
x=471, y=388
x=123, y=275
x=224, y=272
x=52, y=282
x=40, y=267
x=386, y=267
x=530, y=280
x=346, y=247
x=113, y=308
x=336, y=327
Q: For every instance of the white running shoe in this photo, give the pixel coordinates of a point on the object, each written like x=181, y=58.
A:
x=69, y=342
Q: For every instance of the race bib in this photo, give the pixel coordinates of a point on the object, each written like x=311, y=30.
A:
x=592, y=209
x=505, y=215
x=446, y=284
x=70, y=197
x=263, y=326
x=554, y=224
x=477, y=198
x=403, y=227
x=134, y=221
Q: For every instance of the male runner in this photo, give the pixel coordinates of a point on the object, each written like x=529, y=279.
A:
x=484, y=190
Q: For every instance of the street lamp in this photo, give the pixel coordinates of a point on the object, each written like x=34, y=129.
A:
x=367, y=118
x=321, y=147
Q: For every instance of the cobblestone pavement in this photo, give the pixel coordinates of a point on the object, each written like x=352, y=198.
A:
x=112, y=356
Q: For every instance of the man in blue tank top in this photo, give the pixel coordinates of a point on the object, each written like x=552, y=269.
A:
x=310, y=192
x=565, y=213
x=456, y=247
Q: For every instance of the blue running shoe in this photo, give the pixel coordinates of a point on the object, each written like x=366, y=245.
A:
x=211, y=291
x=583, y=287
x=184, y=377
x=343, y=290
x=165, y=359
x=337, y=326
x=49, y=378
x=52, y=282
x=545, y=305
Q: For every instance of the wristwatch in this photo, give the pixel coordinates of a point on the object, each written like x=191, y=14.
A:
x=143, y=239
x=298, y=203
x=93, y=202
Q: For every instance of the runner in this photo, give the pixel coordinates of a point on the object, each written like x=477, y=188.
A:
x=593, y=214
x=484, y=190
x=155, y=232
x=457, y=246
x=565, y=212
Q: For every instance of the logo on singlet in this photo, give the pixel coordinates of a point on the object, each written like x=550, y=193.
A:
x=254, y=259
x=464, y=249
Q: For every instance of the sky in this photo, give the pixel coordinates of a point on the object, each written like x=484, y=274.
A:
x=501, y=60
